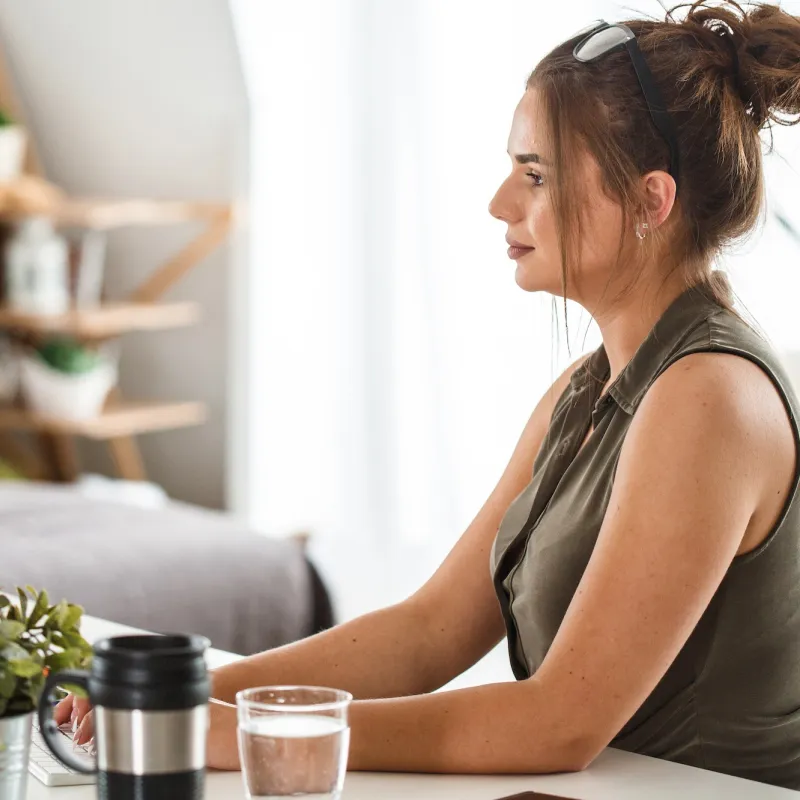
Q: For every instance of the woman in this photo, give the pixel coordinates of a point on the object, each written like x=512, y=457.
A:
x=648, y=575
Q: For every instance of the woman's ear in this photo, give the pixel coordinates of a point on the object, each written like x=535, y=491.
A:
x=659, y=193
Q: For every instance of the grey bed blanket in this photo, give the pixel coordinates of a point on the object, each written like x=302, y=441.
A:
x=177, y=568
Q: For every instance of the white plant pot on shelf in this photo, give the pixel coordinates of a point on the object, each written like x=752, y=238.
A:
x=13, y=139
x=66, y=396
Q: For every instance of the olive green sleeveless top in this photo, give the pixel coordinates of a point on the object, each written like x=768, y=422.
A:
x=730, y=701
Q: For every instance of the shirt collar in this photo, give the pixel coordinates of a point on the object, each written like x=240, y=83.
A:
x=682, y=317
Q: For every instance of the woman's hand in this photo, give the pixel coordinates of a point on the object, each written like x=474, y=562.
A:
x=78, y=712
x=222, y=749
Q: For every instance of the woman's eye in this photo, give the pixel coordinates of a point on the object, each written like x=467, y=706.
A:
x=538, y=180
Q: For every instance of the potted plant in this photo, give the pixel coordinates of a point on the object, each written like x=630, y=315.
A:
x=13, y=140
x=66, y=379
x=35, y=639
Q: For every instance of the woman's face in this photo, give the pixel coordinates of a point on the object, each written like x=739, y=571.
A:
x=523, y=202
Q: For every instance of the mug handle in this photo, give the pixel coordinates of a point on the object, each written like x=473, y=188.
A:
x=50, y=732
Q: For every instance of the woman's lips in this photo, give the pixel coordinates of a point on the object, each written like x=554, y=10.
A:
x=518, y=252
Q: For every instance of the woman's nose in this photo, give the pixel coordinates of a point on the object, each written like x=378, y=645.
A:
x=501, y=205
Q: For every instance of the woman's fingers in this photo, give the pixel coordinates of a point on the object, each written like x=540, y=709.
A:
x=80, y=708
x=63, y=710
x=71, y=709
x=85, y=730
x=77, y=711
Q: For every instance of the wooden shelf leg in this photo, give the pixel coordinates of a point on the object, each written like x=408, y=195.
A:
x=62, y=455
x=127, y=458
x=178, y=266
x=27, y=460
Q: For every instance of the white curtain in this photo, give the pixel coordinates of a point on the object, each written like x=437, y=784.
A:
x=393, y=361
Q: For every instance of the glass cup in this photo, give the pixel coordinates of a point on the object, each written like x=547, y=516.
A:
x=293, y=741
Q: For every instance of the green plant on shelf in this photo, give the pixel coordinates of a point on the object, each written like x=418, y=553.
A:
x=36, y=638
x=69, y=356
x=5, y=119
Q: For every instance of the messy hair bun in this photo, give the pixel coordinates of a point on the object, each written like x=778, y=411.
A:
x=758, y=49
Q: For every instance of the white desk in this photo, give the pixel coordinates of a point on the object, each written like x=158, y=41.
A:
x=615, y=775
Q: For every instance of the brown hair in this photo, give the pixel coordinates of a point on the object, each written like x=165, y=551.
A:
x=725, y=73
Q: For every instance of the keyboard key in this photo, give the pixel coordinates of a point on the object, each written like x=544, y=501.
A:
x=45, y=767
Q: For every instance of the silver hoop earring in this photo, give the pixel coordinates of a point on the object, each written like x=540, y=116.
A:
x=641, y=230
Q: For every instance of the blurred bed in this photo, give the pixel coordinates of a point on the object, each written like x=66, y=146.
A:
x=175, y=568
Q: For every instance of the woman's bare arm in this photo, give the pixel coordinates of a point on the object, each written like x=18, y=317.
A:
x=427, y=640
x=410, y=648
x=699, y=459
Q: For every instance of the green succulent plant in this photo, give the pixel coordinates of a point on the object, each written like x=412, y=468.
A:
x=36, y=638
x=69, y=356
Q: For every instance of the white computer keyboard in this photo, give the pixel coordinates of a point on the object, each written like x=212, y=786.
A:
x=44, y=766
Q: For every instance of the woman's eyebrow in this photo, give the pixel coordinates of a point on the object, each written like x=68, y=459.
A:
x=529, y=158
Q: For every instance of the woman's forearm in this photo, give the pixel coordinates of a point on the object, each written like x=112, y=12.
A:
x=500, y=728
x=387, y=653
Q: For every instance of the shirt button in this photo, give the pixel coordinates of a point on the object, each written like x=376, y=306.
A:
x=602, y=402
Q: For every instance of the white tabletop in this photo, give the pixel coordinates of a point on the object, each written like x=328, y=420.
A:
x=615, y=775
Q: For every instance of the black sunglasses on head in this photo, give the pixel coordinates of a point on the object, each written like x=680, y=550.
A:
x=602, y=38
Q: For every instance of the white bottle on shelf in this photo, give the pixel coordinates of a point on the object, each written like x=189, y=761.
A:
x=37, y=269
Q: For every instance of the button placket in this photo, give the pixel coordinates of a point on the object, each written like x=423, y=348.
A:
x=554, y=472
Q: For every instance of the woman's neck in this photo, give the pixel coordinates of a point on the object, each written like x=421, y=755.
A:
x=626, y=324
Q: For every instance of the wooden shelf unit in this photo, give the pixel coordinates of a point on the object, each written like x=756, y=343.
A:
x=29, y=196
x=128, y=418
x=33, y=195
x=104, y=322
x=142, y=310
x=106, y=214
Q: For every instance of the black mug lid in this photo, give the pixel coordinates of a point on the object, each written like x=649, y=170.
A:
x=149, y=671
x=158, y=647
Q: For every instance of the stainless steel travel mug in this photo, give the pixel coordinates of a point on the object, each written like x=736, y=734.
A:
x=150, y=701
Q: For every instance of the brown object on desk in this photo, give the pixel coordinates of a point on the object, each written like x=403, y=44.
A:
x=536, y=796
